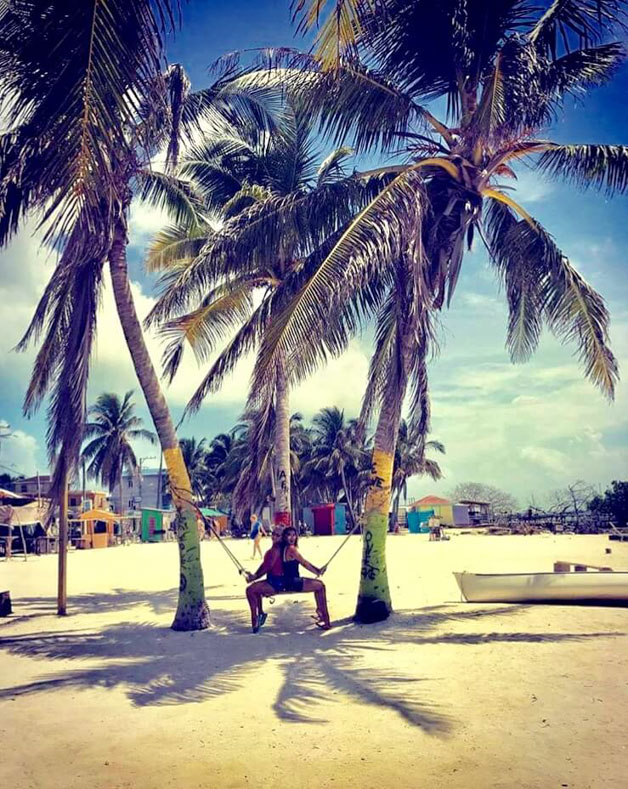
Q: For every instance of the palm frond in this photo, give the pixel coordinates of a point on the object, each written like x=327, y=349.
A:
x=265, y=233
x=339, y=33
x=361, y=257
x=226, y=307
x=178, y=88
x=491, y=111
x=542, y=285
x=74, y=77
x=179, y=199
x=583, y=68
x=243, y=342
x=576, y=22
x=176, y=246
x=333, y=166
x=602, y=166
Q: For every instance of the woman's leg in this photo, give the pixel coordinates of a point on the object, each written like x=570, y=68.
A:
x=253, y=597
x=256, y=546
x=318, y=587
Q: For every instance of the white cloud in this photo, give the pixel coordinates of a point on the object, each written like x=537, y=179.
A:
x=531, y=187
x=340, y=383
x=19, y=453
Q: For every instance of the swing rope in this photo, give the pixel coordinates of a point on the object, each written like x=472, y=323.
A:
x=356, y=526
x=240, y=567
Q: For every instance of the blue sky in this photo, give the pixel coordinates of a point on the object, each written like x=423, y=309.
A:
x=528, y=429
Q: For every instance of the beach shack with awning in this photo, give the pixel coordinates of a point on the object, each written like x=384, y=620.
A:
x=22, y=527
x=96, y=529
x=220, y=519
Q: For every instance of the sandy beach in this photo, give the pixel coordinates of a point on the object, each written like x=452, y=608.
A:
x=443, y=694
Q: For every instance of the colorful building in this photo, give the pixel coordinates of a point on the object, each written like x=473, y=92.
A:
x=448, y=513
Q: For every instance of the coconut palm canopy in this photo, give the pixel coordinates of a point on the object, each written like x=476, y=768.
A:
x=112, y=428
x=504, y=69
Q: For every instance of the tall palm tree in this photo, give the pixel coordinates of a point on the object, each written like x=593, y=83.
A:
x=88, y=107
x=112, y=428
x=504, y=68
x=410, y=461
x=279, y=209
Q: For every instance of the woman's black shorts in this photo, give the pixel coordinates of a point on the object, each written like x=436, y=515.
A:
x=282, y=584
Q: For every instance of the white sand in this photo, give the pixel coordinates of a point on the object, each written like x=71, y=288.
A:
x=443, y=694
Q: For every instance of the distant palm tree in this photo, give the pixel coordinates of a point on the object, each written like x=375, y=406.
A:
x=505, y=69
x=194, y=456
x=109, y=450
x=338, y=454
x=410, y=461
x=279, y=208
x=88, y=108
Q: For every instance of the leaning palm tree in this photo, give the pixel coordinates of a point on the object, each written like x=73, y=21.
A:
x=112, y=428
x=410, y=461
x=278, y=209
x=504, y=69
x=88, y=107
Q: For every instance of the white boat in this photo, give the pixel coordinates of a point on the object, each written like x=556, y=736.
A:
x=543, y=587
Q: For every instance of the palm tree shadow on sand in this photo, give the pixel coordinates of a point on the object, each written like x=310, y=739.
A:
x=157, y=666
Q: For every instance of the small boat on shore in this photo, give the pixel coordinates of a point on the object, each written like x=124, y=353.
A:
x=543, y=587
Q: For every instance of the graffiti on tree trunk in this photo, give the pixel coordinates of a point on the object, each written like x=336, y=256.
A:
x=369, y=570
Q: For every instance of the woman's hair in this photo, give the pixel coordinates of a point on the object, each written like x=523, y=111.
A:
x=284, y=538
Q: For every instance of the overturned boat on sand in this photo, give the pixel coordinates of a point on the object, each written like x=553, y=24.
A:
x=569, y=587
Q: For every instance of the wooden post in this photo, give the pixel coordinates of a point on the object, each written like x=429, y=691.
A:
x=63, y=550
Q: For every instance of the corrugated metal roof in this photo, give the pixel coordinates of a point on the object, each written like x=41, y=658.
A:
x=431, y=500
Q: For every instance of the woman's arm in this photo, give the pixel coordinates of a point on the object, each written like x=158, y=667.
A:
x=261, y=570
x=293, y=553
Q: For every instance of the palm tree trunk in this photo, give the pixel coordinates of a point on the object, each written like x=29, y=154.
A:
x=192, y=610
x=374, y=603
x=62, y=578
x=348, y=498
x=282, y=448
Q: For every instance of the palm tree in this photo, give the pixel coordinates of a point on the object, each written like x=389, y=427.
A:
x=504, y=68
x=410, y=460
x=337, y=454
x=110, y=433
x=279, y=209
x=88, y=107
x=194, y=457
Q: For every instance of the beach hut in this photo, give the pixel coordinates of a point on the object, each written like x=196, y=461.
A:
x=22, y=528
x=417, y=521
x=324, y=518
x=441, y=508
x=340, y=519
x=220, y=519
x=95, y=529
x=155, y=524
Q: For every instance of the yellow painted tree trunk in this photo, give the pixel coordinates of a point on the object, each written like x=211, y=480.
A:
x=374, y=602
x=192, y=610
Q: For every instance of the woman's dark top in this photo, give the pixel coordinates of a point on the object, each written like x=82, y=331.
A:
x=292, y=581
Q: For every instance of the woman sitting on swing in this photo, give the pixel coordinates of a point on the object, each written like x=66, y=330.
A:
x=281, y=567
x=294, y=583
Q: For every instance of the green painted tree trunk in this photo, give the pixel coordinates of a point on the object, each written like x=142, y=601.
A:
x=192, y=609
x=374, y=601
